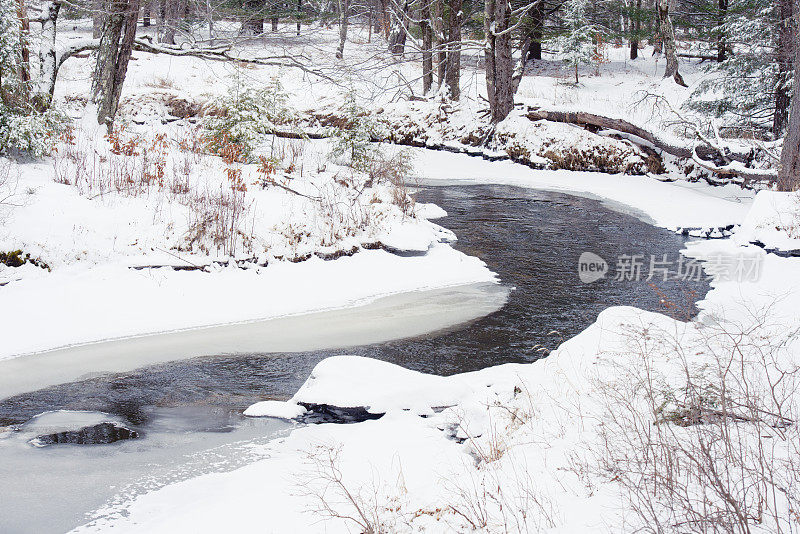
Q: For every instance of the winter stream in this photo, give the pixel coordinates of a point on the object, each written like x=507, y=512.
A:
x=187, y=413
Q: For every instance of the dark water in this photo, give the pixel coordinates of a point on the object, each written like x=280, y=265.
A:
x=532, y=239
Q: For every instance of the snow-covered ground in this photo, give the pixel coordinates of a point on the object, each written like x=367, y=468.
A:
x=512, y=448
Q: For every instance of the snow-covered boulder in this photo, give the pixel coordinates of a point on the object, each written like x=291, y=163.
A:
x=773, y=222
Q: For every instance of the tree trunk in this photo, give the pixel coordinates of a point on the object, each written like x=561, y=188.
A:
x=636, y=27
x=210, y=22
x=113, y=56
x=534, y=32
x=785, y=52
x=789, y=171
x=176, y=12
x=439, y=40
x=48, y=69
x=668, y=39
x=25, y=53
x=497, y=21
x=254, y=23
x=98, y=17
x=299, y=14
x=146, y=9
x=427, y=45
x=722, y=45
x=737, y=158
x=453, y=68
x=162, y=19
x=274, y=22
x=399, y=31
x=380, y=18
x=344, y=8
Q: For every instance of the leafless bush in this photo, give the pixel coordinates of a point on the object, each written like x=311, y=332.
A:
x=394, y=170
x=497, y=493
x=216, y=218
x=701, y=428
x=138, y=167
x=8, y=183
x=331, y=497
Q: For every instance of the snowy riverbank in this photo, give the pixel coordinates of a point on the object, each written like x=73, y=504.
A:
x=519, y=447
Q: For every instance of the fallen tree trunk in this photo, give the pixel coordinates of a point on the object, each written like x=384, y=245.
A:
x=582, y=118
x=220, y=53
x=703, y=57
x=714, y=157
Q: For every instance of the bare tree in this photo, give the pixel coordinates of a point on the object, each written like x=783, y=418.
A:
x=789, y=171
x=113, y=55
x=455, y=17
x=344, y=15
x=427, y=46
x=499, y=69
x=399, y=26
x=786, y=45
x=668, y=39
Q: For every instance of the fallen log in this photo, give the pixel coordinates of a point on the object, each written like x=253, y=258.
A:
x=713, y=156
x=582, y=118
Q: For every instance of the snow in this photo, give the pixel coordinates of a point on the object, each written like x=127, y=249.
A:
x=773, y=221
x=671, y=205
x=79, y=305
x=525, y=426
x=447, y=452
x=63, y=420
x=276, y=409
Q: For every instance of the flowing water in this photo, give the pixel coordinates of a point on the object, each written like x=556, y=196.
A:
x=531, y=239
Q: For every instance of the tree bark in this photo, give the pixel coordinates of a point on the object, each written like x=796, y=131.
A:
x=789, y=171
x=176, y=11
x=437, y=25
x=399, y=27
x=497, y=50
x=48, y=70
x=344, y=8
x=453, y=68
x=25, y=53
x=636, y=27
x=785, y=62
x=668, y=39
x=254, y=23
x=427, y=45
x=98, y=17
x=113, y=56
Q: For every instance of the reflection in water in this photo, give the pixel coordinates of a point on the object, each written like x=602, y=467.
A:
x=532, y=239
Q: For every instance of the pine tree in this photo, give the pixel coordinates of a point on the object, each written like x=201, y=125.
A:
x=11, y=39
x=576, y=42
x=742, y=88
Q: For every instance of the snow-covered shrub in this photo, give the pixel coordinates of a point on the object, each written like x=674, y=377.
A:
x=11, y=40
x=701, y=430
x=742, y=88
x=576, y=42
x=394, y=170
x=28, y=131
x=352, y=140
x=23, y=128
x=245, y=115
x=216, y=218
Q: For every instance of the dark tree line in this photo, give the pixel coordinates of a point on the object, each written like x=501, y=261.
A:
x=751, y=45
